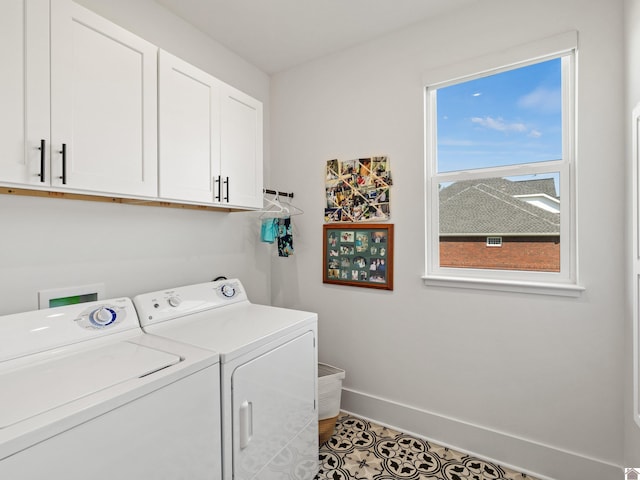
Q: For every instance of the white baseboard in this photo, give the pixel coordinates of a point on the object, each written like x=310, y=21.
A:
x=541, y=461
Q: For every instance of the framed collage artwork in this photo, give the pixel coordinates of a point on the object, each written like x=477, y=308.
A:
x=360, y=255
x=357, y=190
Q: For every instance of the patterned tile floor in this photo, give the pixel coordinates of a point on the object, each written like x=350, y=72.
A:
x=361, y=450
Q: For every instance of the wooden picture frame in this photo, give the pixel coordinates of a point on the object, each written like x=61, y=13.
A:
x=359, y=255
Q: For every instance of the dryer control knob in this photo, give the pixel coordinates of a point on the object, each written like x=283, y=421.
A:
x=227, y=290
x=103, y=316
x=174, y=301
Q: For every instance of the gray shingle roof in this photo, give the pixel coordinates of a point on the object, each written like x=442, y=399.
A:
x=488, y=207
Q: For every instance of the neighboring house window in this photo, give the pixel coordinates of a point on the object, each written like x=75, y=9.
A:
x=494, y=241
x=500, y=171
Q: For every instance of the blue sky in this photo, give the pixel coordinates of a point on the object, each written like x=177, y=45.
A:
x=503, y=119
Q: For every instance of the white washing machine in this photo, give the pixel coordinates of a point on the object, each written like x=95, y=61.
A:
x=86, y=394
x=268, y=362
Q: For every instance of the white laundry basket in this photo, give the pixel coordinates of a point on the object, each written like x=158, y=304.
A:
x=329, y=392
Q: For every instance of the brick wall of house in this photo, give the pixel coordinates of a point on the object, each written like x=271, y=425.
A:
x=516, y=253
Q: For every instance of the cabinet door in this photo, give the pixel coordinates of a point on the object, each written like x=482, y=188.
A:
x=24, y=91
x=103, y=104
x=189, y=129
x=241, y=148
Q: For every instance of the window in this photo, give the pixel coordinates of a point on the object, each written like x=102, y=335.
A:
x=500, y=171
x=494, y=241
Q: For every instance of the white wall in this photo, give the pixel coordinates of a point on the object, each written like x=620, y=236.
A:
x=632, y=42
x=47, y=243
x=529, y=380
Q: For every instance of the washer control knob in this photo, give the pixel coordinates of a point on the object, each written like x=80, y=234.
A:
x=174, y=301
x=102, y=316
x=228, y=290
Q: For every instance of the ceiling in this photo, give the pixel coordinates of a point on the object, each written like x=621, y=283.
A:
x=275, y=35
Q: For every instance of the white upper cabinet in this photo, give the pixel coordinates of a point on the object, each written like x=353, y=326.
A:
x=24, y=92
x=73, y=82
x=241, y=148
x=189, y=131
x=103, y=105
x=210, y=138
x=81, y=112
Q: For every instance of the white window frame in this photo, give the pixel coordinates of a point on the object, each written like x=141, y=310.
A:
x=563, y=283
x=635, y=258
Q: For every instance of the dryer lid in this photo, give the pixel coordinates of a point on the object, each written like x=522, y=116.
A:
x=36, y=388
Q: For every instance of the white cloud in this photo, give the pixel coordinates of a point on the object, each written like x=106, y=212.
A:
x=499, y=124
x=543, y=100
x=535, y=133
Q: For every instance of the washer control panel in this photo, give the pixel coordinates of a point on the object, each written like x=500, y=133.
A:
x=40, y=330
x=101, y=316
x=164, y=305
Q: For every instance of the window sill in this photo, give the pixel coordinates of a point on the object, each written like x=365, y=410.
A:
x=539, y=288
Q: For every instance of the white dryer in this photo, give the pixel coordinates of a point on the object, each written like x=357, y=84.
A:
x=86, y=394
x=268, y=362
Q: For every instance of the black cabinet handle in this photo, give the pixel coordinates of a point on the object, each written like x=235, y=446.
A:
x=226, y=182
x=218, y=182
x=42, y=159
x=64, y=163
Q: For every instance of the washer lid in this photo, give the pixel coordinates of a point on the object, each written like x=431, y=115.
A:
x=33, y=389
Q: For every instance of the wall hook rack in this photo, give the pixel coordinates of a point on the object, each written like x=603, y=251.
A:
x=275, y=192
